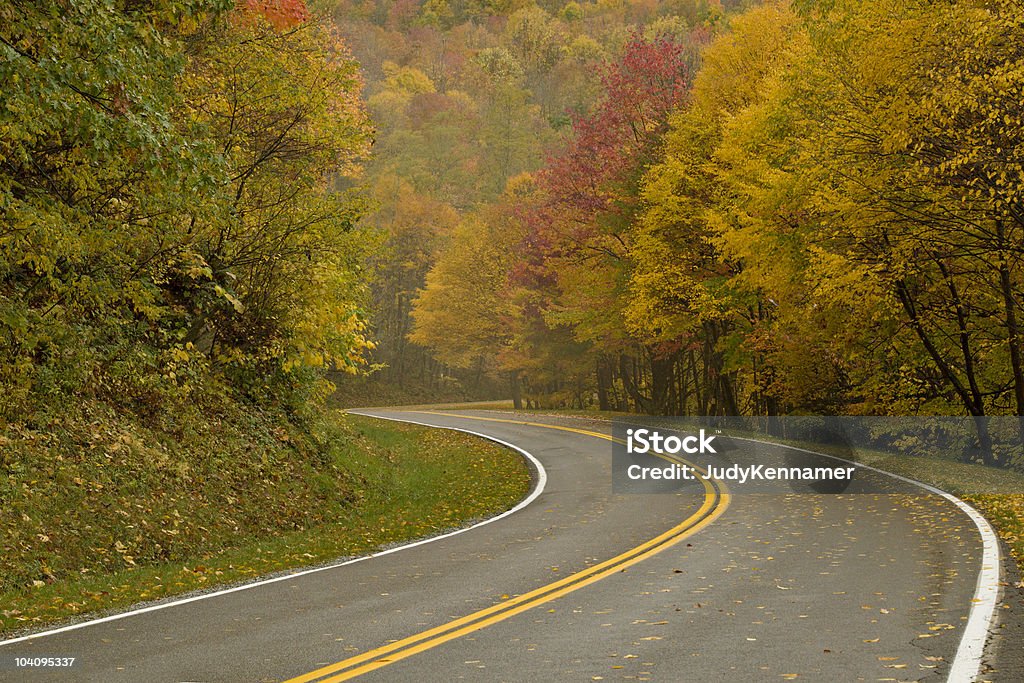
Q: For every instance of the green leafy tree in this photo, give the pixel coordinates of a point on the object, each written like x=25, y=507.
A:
x=168, y=203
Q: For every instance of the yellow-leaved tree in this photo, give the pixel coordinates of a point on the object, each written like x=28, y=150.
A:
x=284, y=106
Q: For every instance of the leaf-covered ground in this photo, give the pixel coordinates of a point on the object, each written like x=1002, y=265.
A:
x=997, y=494
x=106, y=514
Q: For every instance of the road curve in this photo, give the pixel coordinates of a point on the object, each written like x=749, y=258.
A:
x=583, y=584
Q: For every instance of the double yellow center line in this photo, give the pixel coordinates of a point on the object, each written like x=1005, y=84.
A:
x=716, y=499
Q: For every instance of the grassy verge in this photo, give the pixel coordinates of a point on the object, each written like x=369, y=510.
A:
x=108, y=524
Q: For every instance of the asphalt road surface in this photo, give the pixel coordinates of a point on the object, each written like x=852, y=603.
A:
x=582, y=584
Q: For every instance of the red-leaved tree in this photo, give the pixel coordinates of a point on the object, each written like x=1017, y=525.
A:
x=576, y=250
x=282, y=14
x=597, y=171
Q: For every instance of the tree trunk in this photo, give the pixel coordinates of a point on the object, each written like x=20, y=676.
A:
x=699, y=389
x=984, y=441
x=603, y=382
x=971, y=399
x=514, y=386
x=627, y=367
x=910, y=308
x=682, y=384
x=1012, y=331
x=661, y=384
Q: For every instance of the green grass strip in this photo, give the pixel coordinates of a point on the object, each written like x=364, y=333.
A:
x=400, y=482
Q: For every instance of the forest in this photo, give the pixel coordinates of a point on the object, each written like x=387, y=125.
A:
x=670, y=207
x=698, y=208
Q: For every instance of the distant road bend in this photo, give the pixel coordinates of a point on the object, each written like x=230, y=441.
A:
x=581, y=584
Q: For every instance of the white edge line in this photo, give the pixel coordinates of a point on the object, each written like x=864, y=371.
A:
x=967, y=660
x=542, y=479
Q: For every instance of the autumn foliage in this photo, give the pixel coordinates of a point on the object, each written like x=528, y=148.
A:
x=821, y=211
x=609, y=145
x=168, y=225
x=281, y=14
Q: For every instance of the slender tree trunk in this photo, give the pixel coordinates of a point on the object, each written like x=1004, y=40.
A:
x=699, y=390
x=627, y=383
x=618, y=400
x=661, y=384
x=479, y=374
x=1012, y=330
x=714, y=372
x=984, y=440
x=729, y=403
x=707, y=381
x=964, y=337
x=972, y=403
x=910, y=308
x=682, y=384
x=516, y=389
x=603, y=382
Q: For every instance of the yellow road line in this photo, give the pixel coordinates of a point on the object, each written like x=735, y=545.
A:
x=716, y=500
x=521, y=422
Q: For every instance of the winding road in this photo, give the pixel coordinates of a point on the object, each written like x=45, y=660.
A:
x=581, y=584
